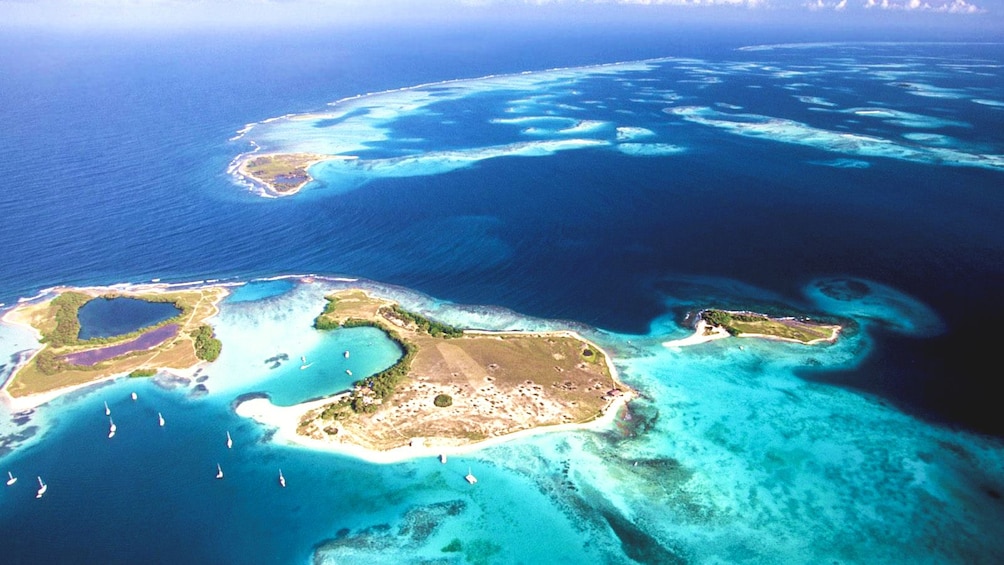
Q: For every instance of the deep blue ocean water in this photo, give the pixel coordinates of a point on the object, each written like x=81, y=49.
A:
x=115, y=152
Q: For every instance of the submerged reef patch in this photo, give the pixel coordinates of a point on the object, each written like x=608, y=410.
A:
x=860, y=298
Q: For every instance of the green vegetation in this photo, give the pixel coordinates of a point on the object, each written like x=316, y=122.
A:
x=431, y=327
x=48, y=363
x=591, y=355
x=207, y=347
x=326, y=320
x=443, y=400
x=139, y=373
x=383, y=383
x=719, y=318
x=739, y=323
x=337, y=410
x=67, y=330
x=323, y=321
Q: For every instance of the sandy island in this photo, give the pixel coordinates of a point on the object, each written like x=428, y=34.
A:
x=719, y=324
x=287, y=419
x=281, y=174
x=29, y=387
x=501, y=386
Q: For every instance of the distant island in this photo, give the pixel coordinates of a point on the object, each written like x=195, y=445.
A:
x=715, y=324
x=65, y=361
x=450, y=388
x=281, y=174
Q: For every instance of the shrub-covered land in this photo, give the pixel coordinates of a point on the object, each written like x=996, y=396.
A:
x=801, y=330
x=371, y=391
x=431, y=327
x=67, y=330
x=207, y=347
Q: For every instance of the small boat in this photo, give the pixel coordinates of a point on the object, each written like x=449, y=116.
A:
x=42, y=487
x=230, y=441
x=219, y=471
x=470, y=477
x=303, y=359
x=108, y=411
x=346, y=353
x=12, y=478
x=282, y=480
x=348, y=372
x=160, y=418
x=133, y=395
x=442, y=458
x=111, y=428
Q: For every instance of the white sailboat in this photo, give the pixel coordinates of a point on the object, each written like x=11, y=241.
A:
x=346, y=353
x=348, y=372
x=42, y=487
x=219, y=471
x=230, y=441
x=12, y=478
x=303, y=362
x=108, y=411
x=470, y=477
x=282, y=480
x=160, y=418
x=111, y=428
x=442, y=458
x=133, y=396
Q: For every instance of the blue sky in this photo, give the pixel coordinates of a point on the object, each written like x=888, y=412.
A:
x=987, y=16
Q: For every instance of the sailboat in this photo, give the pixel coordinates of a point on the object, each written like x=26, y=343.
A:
x=111, y=428
x=12, y=478
x=160, y=418
x=230, y=441
x=346, y=353
x=442, y=458
x=133, y=396
x=108, y=411
x=348, y=372
x=219, y=471
x=470, y=477
x=303, y=362
x=282, y=480
x=42, y=487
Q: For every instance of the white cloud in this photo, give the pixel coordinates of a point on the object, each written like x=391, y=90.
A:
x=953, y=7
